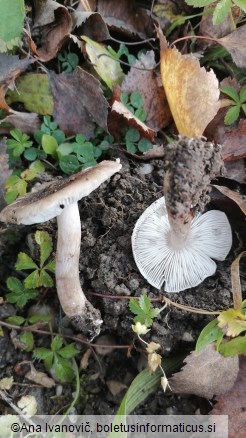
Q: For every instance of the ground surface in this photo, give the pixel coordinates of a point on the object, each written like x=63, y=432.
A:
x=107, y=267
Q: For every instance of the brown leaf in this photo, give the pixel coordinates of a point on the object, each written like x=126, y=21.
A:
x=11, y=66
x=233, y=141
x=148, y=84
x=232, y=138
x=236, y=170
x=26, y=122
x=79, y=102
x=206, y=373
x=121, y=114
x=124, y=16
x=56, y=25
x=235, y=196
x=234, y=43
x=115, y=387
x=233, y=403
x=40, y=378
x=192, y=92
x=207, y=28
x=90, y=24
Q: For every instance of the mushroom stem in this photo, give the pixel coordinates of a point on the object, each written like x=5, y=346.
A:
x=180, y=228
x=73, y=301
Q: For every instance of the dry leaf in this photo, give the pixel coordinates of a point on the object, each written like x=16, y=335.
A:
x=11, y=66
x=234, y=145
x=148, y=84
x=125, y=16
x=84, y=362
x=234, y=43
x=154, y=361
x=206, y=373
x=207, y=28
x=233, y=403
x=40, y=378
x=232, y=322
x=90, y=24
x=235, y=196
x=26, y=122
x=192, y=92
x=56, y=25
x=120, y=112
x=235, y=282
x=115, y=387
x=6, y=383
x=236, y=171
x=79, y=102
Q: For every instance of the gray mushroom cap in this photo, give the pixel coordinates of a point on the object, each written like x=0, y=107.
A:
x=162, y=259
x=50, y=200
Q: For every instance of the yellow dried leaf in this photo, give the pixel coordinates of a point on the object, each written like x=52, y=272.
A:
x=191, y=91
x=152, y=347
x=232, y=322
x=6, y=383
x=154, y=361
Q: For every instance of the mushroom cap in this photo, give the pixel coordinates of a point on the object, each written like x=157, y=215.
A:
x=50, y=200
x=180, y=265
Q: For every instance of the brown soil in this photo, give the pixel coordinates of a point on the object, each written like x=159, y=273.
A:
x=107, y=267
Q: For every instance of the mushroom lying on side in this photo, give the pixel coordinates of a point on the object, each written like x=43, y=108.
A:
x=172, y=243
x=60, y=199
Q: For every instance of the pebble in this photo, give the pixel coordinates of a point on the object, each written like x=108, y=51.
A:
x=145, y=168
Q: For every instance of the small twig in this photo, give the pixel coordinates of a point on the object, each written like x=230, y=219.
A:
x=190, y=309
x=10, y=403
x=187, y=37
x=127, y=64
x=73, y=338
x=131, y=43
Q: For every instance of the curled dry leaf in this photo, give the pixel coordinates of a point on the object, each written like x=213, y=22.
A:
x=234, y=43
x=234, y=196
x=147, y=82
x=90, y=24
x=40, y=378
x=120, y=112
x=56, y=25
x=232, y=403
x=206, y=373
x=78, y=108
x=192, y=92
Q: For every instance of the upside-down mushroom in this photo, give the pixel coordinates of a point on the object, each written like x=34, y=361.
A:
x=60, y=199
x=173, y=243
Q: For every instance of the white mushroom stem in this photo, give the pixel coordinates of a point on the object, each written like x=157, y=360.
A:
x=69, y=290
x=180, y=228
x=73, y=301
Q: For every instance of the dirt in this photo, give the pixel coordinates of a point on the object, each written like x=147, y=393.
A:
x=107, y=268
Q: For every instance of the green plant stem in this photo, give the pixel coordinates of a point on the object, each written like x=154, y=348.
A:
x=77, y=390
